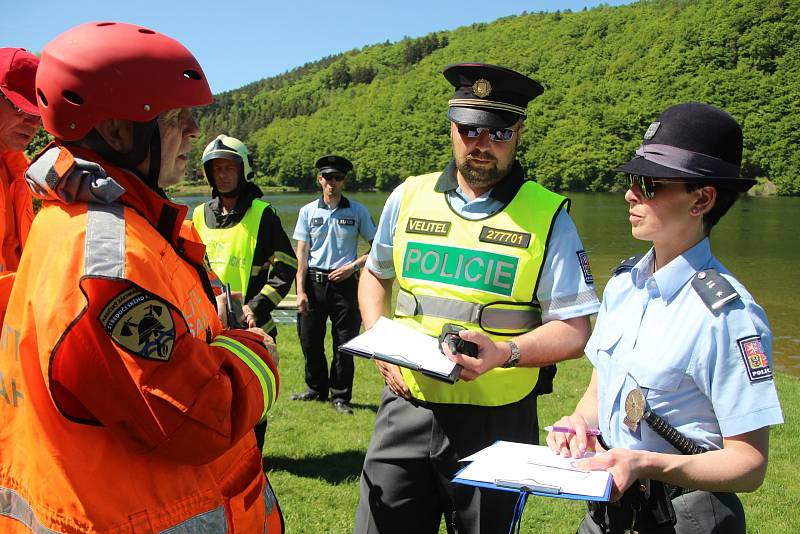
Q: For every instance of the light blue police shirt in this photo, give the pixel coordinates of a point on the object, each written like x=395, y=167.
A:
x=563, y=291
x=332, y=234
x=707, y=373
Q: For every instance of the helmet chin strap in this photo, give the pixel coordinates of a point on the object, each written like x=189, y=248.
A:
x=146, y=140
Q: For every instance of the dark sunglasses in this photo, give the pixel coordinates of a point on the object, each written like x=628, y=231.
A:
x=647, y=185
x=333, y=176
x=495, y=134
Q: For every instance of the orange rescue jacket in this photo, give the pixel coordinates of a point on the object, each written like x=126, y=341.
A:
x=124, y=405
x=16, y=208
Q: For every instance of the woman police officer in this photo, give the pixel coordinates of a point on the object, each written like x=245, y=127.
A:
x=677, y=337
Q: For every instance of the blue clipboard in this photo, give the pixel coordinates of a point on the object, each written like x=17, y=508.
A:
x=534, y=488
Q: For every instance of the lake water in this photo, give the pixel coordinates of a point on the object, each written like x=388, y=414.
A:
x=758, y=240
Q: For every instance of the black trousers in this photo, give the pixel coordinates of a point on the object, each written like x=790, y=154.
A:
x=339, y=303
x=413, y=455
x=696, y=512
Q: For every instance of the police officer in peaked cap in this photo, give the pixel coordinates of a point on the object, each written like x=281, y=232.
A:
x=502, y=259
x=327, y=234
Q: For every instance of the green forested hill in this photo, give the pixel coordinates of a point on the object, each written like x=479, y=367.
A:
x=608, y=72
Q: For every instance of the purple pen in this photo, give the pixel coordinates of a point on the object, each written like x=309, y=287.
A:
x=568, y=430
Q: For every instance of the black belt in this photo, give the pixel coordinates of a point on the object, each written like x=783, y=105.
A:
x=319, y=276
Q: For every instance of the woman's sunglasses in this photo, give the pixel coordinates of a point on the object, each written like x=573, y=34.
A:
x=495, y=134
x=647, y=185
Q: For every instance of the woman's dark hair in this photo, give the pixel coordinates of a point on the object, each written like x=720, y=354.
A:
x=725, y=199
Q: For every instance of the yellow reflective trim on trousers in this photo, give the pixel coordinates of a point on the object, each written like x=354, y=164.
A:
x=282, y=257
x=271, y=294
x=256, y=364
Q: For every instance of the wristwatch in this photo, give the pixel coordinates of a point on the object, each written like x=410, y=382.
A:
x=512, y=360
x=356, y=267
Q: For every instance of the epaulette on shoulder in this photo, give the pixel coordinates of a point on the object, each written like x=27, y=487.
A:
x=626, y=265
x=714, y=290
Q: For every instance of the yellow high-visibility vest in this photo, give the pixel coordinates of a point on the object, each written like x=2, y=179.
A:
x=480, y=274
x=230, y=250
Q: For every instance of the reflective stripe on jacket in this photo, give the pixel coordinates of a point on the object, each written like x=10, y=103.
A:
x=479, y=274
x=129, y=409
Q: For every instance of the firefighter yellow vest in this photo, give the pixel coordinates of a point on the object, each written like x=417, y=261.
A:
x=480, y=274
x=230, y=250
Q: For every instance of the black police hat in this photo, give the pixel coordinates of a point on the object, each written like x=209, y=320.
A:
x=489, y=96
x=335, y=164
x=692, y=142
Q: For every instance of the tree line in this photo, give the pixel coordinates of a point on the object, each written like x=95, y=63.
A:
x=607, y=71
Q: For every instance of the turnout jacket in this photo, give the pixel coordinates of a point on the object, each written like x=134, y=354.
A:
x=125, y=406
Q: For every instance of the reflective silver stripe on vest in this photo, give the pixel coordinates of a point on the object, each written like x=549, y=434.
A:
x=269, y=504
x=14, y=506
x=211, y=522
x=104, y=250
x=269, y=498
x=467, y=312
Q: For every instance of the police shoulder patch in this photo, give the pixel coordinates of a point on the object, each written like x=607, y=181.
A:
x=141, y=323
x=755, y=359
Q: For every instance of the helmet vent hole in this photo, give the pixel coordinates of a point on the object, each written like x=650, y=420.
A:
x=106, y=24
x=193, y=74
x=72, y=97
x=145, y=30
x=42, y=97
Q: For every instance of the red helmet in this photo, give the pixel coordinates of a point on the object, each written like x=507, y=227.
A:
x=112, y=70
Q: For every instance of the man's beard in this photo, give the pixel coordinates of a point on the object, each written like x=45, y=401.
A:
x=485, y=176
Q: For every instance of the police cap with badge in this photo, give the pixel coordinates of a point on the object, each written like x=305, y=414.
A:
x=696, y=143
x=489, y=96
x=692, y=142
x=333, y=165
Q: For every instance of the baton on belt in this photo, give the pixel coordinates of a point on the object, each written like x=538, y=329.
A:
x=636, y=409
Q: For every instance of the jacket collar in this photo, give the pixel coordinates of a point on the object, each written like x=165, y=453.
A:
x=676, y=274
x=164, y=215
x=344, y=203
x=243, y=203
x=503, y=191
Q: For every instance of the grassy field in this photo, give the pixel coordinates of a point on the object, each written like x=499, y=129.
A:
x=315, y=455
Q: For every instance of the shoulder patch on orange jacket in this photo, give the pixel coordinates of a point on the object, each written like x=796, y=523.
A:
x=141, y=323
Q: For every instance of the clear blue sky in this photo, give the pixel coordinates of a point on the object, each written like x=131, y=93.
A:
x=238, y=42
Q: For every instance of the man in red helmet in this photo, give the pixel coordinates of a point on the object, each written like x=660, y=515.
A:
x=124, y=404
x=19, y=122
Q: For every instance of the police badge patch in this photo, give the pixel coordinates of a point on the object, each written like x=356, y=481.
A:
x=140, y=323
x=583, y=259
x=755, y=359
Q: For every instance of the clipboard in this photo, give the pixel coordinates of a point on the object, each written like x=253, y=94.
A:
x=516, y=474
x=380, y=343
